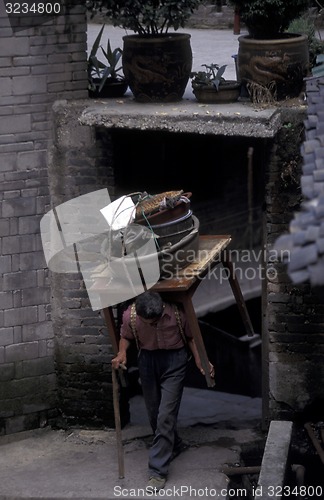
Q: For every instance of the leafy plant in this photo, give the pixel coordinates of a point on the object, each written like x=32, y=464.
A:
x=97, y=70
x=306, y=26
x=212, y=77
x=268, y=18
x=146, y=17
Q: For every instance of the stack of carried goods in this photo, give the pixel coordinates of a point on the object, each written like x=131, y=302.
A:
x=148, y=226
x=176, y=230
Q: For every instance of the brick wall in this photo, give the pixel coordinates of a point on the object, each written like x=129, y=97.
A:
x=37, y=66
x=80, y=163
x=293, y=334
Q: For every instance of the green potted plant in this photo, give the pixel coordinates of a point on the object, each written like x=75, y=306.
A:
x=269, y=57
x=105, y=78
x=156, y=62
x=210, y=86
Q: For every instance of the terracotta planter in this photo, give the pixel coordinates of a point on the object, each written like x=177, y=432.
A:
x=227, y=92
x=157, y=67
x=116, y=88
x=280, y=64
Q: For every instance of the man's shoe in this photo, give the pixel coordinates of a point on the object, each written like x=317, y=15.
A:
x=156, y=482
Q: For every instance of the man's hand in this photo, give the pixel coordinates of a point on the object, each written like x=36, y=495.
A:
x=194, y=350
x=202, y=371
x=120, y=359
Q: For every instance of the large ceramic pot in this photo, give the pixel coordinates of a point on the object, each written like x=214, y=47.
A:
x=157, y=67
x=278, y=64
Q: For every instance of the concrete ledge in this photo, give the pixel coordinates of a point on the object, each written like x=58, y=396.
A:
x=274, y=461
x=236, y=119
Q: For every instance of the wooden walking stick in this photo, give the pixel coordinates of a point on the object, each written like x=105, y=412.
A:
x=120, y=453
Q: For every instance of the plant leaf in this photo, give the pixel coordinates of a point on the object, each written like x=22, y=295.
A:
x=97, y=42
x=104, y=77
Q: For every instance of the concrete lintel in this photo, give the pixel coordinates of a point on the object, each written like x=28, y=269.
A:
x=274, y=461
x=237, y=119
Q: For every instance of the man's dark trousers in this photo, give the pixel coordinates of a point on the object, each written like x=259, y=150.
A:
x=162, y=374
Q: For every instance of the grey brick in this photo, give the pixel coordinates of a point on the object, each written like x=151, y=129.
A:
x=1, y=318
x=18, y=207
x=59, y=58
x=6, y=110
x=47, y=70
x=29, y=192
x=13, y=226
x=5, y=62
x=29, y=85
x=32, y=260
x=20, y=316
x=35, y=367
x=59, y=77
x=5, y=85
x=11, y=194
x=6, y=336
x=2, y=355
x=37, y=331
x=46, y=125
x=32, y=159
x=17, y=298
x=42, y=204
x=7, y=372
x=8, y=161
x=15, y=100
x=13, y=47
x=51, y=40
x=5, y=263
x=20, y=352
x=40, y=98
x=7, y=186
x=15, y=124
x=42, y=277
x=10, y=245
x=42, y=116
x=4, y=229
x=56, y=87
x=6, y=301
x=79, y=56
x=30, y=61
x=28, y=242
x=35, y=296
x=14, y=72
x=32, y=108
x=19, y=280
x=29, y=225
x=18, y=176
x=6, y=139
x=18, y=388
x=18, y=334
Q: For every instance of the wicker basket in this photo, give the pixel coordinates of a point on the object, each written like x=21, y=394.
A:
x=149, y=204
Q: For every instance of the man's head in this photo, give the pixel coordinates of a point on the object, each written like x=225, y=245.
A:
x=149, y=305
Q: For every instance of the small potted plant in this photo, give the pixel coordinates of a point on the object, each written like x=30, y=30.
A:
x=268, y=56
x=156, y=62
x=210, y=86
x=105, y=78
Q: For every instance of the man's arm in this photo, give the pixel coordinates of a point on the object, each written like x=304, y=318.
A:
x=193, y=348
x=121, y=357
